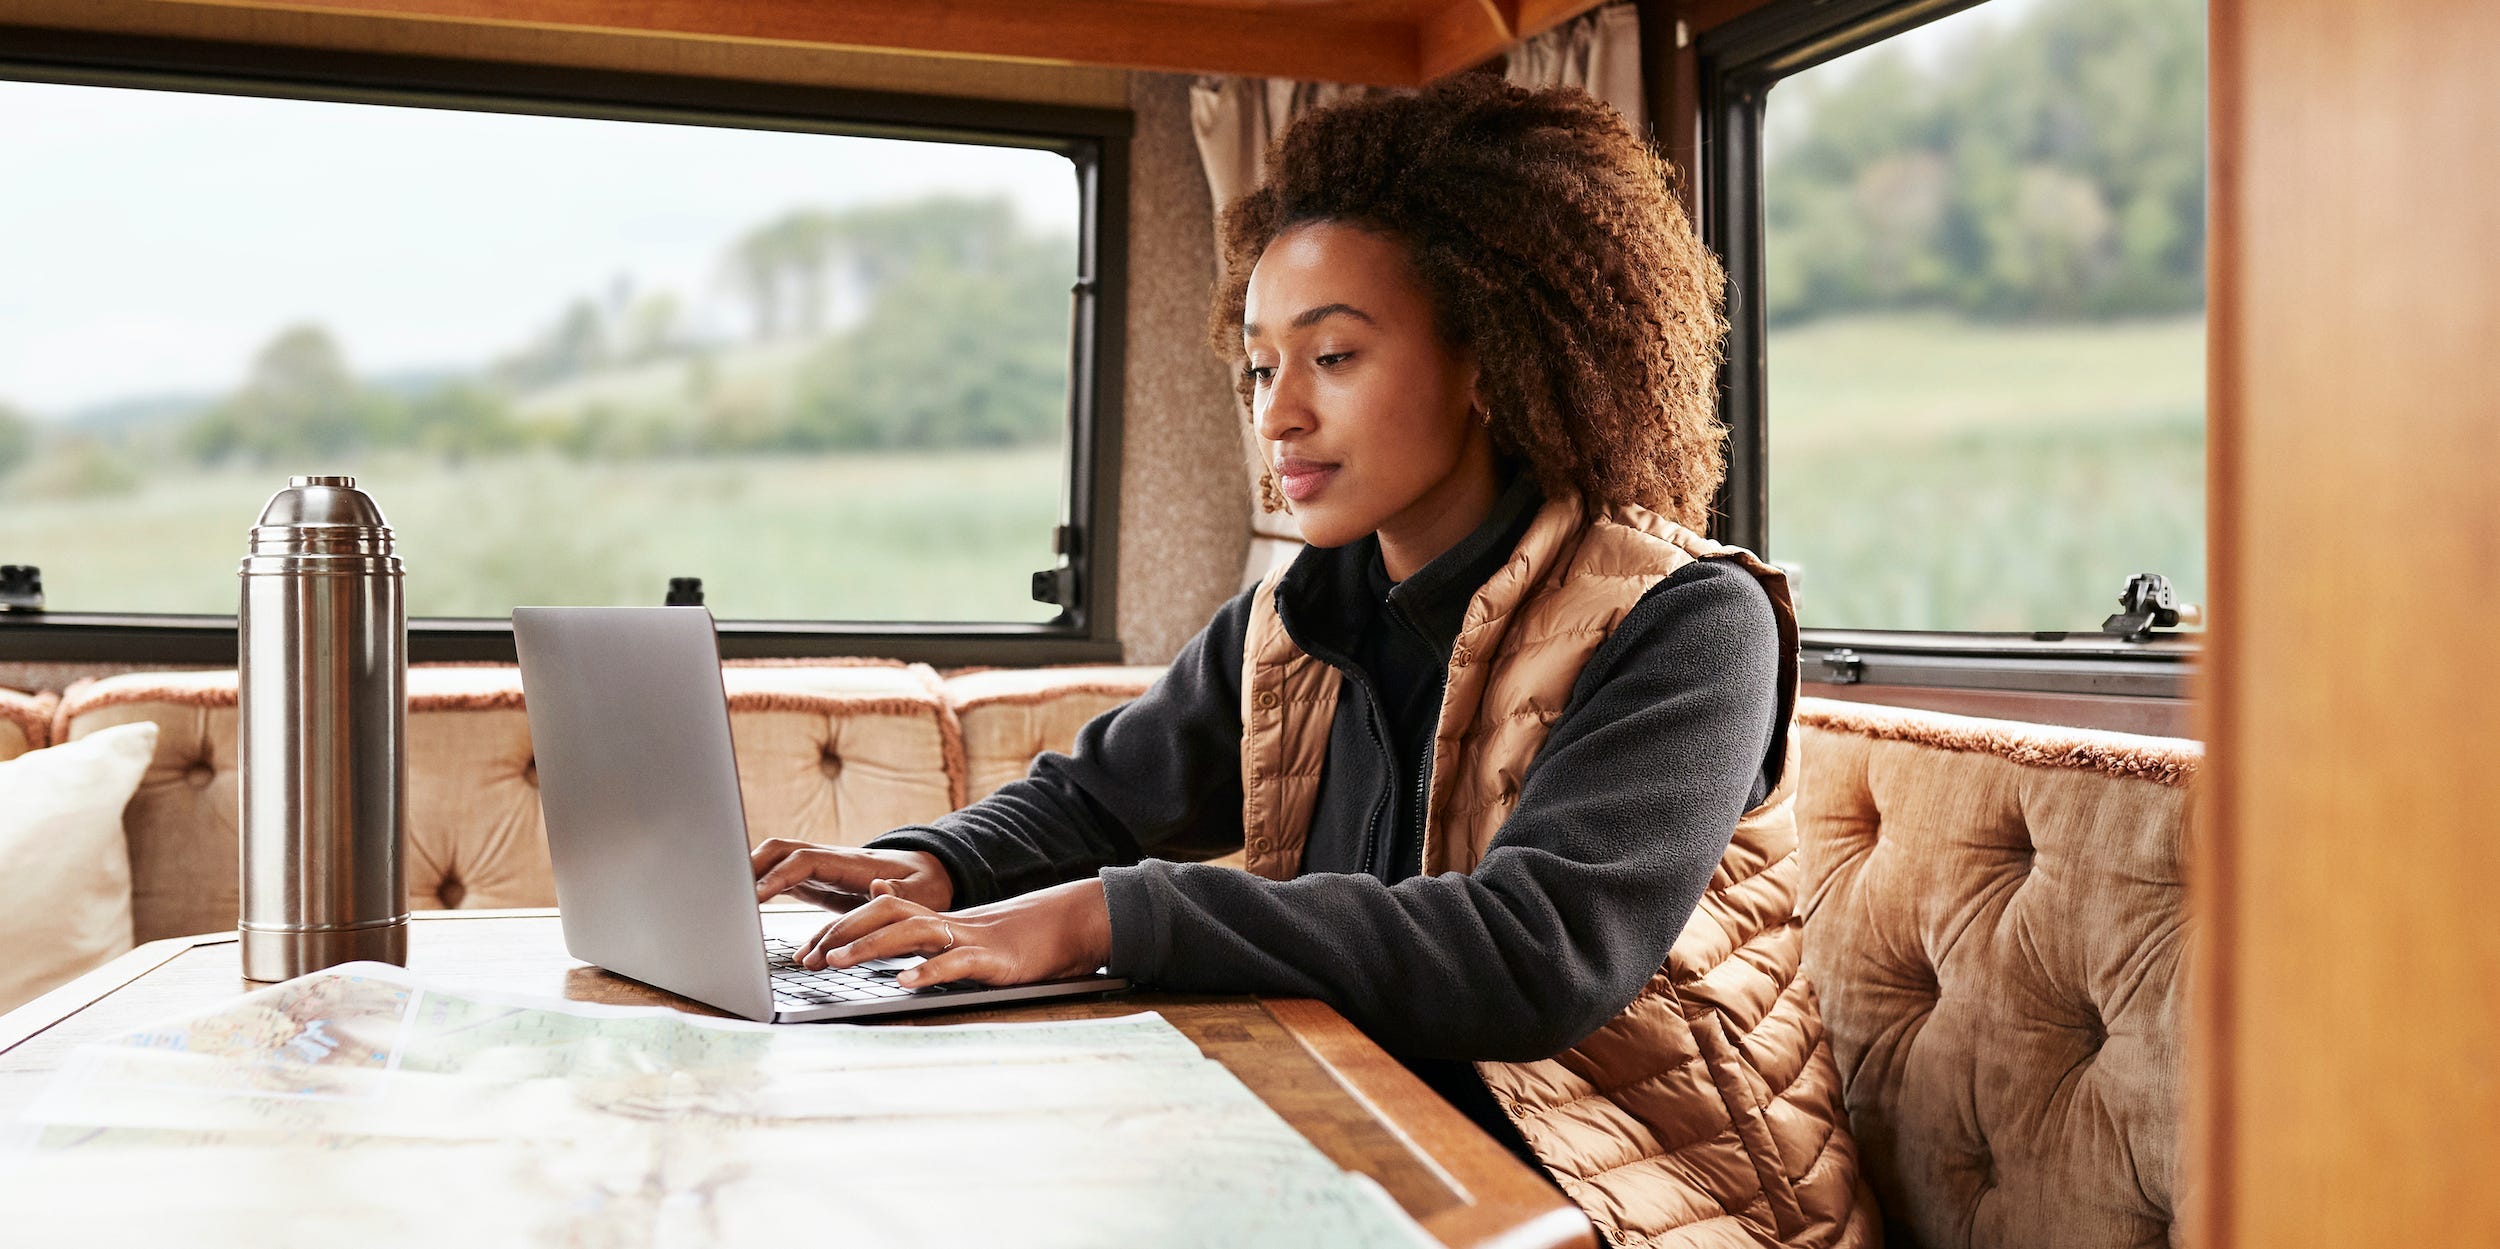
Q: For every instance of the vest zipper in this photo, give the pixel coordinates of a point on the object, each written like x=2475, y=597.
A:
x=1380, y=743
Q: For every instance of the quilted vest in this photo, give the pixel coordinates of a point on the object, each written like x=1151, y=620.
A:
x=1708, y=1112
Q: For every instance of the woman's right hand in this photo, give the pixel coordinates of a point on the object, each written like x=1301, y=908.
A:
x=838, y=878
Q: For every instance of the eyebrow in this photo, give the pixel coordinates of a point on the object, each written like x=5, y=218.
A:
x=1313, y=316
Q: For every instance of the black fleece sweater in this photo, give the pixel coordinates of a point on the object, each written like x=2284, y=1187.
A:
x=1621, y=819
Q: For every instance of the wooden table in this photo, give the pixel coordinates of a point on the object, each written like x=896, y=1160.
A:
x=1353, y=1101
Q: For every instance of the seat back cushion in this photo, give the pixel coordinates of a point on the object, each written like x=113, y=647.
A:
x=825, y=753
x=1995, y=919
x=1009, y=716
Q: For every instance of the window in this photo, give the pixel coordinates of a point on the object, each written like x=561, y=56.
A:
x=1969, y=253
x=836, y=355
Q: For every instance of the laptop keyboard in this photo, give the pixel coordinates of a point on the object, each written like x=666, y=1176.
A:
x=797, y=986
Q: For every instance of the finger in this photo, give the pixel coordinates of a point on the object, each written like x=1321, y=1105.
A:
x=964, y=962
x=874, y=915
x=924, y=933
x=780, y=874
x=772, y=850
x=830, y=866
x=881, y=887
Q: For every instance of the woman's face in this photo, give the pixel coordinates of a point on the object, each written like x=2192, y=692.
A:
x=1362, y=411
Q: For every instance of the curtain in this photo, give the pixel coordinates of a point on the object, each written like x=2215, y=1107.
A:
x=1237, y=118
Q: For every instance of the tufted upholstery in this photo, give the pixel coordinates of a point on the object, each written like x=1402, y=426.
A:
x=1996, y=923
x=25, y=722
x=834, y=754
x=1009, y=715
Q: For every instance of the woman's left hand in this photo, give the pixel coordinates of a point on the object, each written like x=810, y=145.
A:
x=1048, y=934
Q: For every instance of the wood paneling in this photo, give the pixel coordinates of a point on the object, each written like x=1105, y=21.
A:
x=1084, y=86
x=2346, y=1024
x=1372, y=41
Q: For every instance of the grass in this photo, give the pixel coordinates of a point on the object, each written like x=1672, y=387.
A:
x=1925, y=474
x=932, y=537
x=1930, y=474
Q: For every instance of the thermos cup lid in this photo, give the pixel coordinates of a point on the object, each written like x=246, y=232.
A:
x=320, y=516
x=323, y=501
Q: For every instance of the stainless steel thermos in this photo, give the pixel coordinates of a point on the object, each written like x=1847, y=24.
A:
x=324, y=711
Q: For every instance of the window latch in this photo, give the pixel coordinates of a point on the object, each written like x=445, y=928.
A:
x=1842, y=666
x=1057, y=585
x=2148, y=604
x=21, y=587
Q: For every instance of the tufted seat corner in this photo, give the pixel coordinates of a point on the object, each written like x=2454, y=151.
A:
x=1996, y=924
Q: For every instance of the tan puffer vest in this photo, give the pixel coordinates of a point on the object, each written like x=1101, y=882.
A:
x=1708, y=1112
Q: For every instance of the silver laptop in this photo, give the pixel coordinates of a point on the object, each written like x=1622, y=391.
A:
x=630, y=723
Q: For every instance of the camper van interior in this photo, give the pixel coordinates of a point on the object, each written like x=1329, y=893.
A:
x=2103, y=393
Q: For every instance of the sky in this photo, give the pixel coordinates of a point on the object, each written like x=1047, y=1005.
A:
x=152, y=241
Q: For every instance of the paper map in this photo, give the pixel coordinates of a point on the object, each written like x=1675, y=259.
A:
x=362, y=1106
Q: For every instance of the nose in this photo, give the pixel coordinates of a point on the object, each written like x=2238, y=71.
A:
x=1285, y=409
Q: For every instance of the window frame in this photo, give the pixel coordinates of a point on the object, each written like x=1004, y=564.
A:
x=1736, y=65
x=1094, y=140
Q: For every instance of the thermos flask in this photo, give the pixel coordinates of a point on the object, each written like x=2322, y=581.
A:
x=322, y=690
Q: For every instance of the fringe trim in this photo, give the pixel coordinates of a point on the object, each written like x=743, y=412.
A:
x=2165, y=761
x=1035, y=698
x=31, y=713
x=79, y=701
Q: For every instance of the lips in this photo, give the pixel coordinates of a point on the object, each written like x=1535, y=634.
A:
x=1302, y=478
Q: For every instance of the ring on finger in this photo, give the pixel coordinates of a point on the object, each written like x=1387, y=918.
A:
x=949, y=930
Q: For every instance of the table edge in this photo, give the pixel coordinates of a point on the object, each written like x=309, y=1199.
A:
x=1502, y=1204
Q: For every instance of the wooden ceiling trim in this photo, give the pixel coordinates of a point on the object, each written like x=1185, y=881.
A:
x=1124, y=33
x=1463, y=34
x=1467, y=33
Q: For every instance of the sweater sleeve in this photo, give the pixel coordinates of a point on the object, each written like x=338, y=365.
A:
x=1621, y=820
x=1160, y=773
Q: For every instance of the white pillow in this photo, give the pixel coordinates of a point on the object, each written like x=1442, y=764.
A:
x=64, y=867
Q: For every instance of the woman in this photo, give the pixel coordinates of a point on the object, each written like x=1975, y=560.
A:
x=1485, y=742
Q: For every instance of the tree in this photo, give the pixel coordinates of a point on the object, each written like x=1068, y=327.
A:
x=299, y=400
x=2051, y=168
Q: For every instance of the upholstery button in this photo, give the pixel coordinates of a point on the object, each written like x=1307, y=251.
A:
x=1259, y=844
x=199, y=774
x=1264, y=700
x=1460, y=656
x=831, y=765
x=529, y=771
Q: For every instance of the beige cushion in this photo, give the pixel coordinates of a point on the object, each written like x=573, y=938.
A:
x=1011, y=715
x=827, y=752
x=1997, y=926
x=25, y=722
x=64, y=875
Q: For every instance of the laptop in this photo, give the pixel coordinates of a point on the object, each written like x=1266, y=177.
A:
x=630, y=723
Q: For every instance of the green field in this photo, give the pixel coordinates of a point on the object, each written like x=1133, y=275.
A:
x=1931, y=474
x=1925, y=473
x=926, y=536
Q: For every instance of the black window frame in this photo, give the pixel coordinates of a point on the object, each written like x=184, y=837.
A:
x=1095, y=140
x=1736, y=65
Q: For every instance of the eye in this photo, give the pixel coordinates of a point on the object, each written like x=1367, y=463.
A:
x=1333, y=359
x=1259, y=374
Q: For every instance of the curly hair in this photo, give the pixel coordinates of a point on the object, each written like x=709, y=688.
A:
x=1548, y=239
